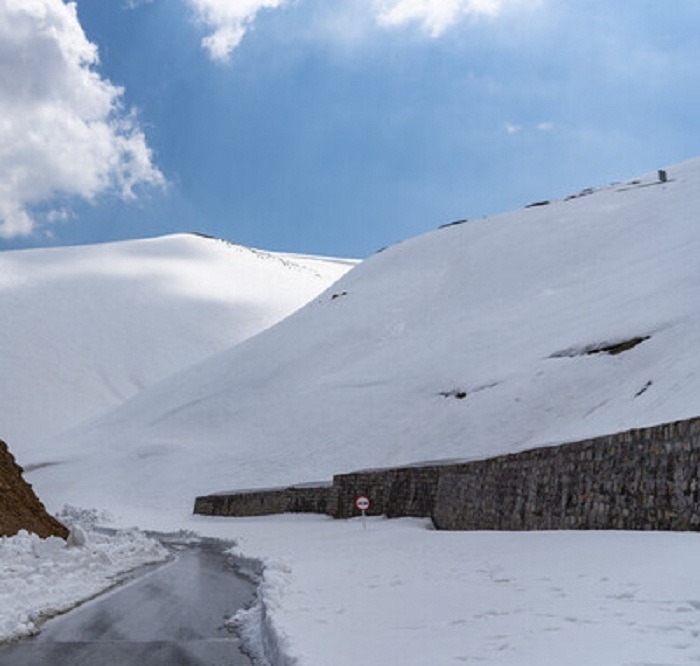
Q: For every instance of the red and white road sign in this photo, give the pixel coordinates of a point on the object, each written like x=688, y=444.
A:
x=362, y=503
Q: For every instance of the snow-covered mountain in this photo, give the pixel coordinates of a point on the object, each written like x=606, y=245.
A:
x=566, y=319
x=85, y=328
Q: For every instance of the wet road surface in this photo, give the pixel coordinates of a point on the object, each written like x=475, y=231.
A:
x=173, y=616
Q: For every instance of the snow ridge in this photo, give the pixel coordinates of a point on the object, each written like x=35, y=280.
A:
x=88, y=327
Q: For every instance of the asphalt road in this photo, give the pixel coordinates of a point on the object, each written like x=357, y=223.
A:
x=172, y=616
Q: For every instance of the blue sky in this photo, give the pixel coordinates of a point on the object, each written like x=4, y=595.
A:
x=340, y=127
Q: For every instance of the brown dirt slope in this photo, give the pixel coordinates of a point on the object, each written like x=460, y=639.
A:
x=20, y=508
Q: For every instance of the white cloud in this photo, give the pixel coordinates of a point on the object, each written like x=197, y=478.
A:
x=133, y=4
x=228, y=20
x=62, y=129
x=514, y=128
x=436, y=16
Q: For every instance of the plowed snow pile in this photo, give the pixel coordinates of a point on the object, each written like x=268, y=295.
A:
x=40, y=578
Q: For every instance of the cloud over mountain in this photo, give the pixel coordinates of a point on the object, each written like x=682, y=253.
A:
x=63, y=128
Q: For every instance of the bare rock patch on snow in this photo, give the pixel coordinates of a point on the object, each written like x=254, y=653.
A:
x=610, y=348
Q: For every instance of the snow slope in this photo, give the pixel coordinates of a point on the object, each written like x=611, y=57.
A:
x=502, y=309
x=85, y=328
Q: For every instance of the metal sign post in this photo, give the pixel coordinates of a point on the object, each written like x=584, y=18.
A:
x=362, y=503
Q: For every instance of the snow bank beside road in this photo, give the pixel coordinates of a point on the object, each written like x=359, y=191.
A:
x=40, y=578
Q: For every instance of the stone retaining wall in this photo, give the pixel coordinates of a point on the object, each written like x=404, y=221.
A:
x=297, y=499
x=395, y=492
x=644, y=479
x=647, y=478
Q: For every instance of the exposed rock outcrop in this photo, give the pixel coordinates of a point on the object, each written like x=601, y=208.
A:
x=20, y=508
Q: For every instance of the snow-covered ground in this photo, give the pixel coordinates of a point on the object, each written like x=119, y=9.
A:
x=504, y=310
x=85, y=328
x=399, y=593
